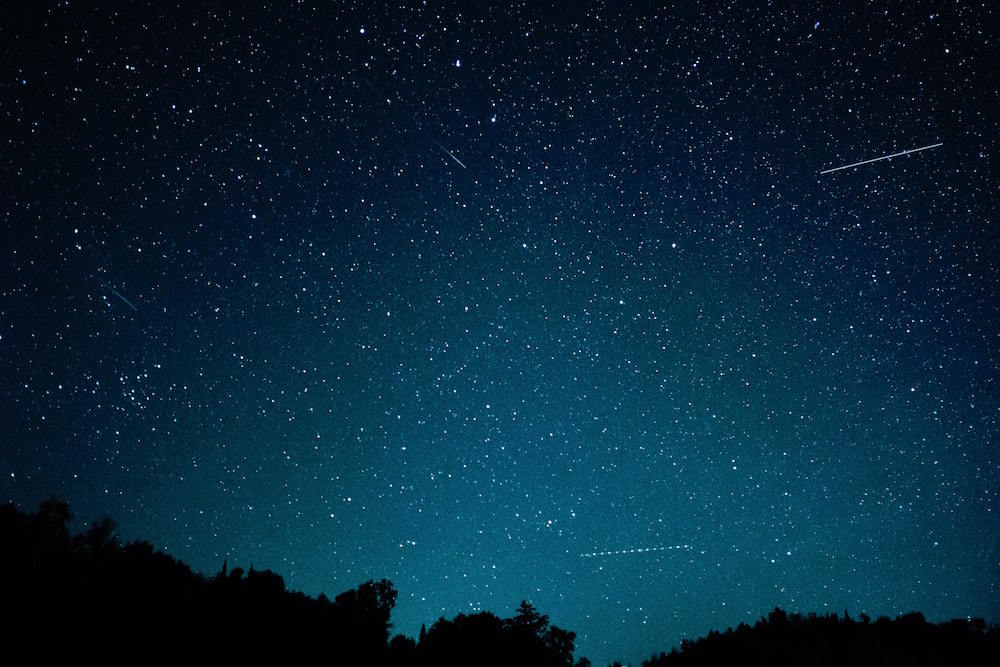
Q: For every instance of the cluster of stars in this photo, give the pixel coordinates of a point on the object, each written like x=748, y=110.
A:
x=456, y=297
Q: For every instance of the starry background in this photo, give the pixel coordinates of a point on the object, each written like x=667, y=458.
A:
x=461, y=296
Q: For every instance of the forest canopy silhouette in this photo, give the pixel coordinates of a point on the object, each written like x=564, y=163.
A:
x=89, y=599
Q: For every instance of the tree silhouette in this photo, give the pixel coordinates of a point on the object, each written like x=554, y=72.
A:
x=527, y=620
x=792, y=639
x=66, y=599
x=52, y=522
x=101, y=536
x=559, y=645
x=484, y=639
x=58, y=593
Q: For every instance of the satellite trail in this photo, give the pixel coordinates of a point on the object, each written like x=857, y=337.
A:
x=637, y=550
x=127, y=302
x=884, y=157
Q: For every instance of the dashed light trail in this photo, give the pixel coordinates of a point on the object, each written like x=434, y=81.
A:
x=636, y=550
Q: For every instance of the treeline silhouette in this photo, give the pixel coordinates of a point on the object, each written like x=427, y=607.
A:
x=88, y=599
x=792, y=639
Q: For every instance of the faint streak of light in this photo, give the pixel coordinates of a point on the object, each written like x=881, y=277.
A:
x=452, y=155
x=123, y=298
x=388, y=100
x=637, y=550
x=884, y=157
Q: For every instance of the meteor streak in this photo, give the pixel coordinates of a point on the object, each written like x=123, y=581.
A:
x=884, y=157
x=452, y=155
x=415, y=120
x=129, y=303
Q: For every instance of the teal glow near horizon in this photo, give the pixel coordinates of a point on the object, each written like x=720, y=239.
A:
x=503, y=304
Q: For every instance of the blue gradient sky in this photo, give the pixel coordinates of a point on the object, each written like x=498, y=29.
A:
x=454, y=296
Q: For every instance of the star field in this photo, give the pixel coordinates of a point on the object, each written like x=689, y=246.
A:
x=507, y=302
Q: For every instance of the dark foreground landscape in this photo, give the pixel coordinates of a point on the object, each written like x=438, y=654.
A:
x=86, y=599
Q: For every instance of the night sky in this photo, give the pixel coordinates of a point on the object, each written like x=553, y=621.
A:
x=481, y=300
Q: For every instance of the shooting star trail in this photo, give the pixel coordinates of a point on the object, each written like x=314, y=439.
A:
x=637, y=550
x=450, y=154
x=129, y=303
x=884, y=157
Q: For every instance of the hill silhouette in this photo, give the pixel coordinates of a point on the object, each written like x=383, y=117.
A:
x=88, y=599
